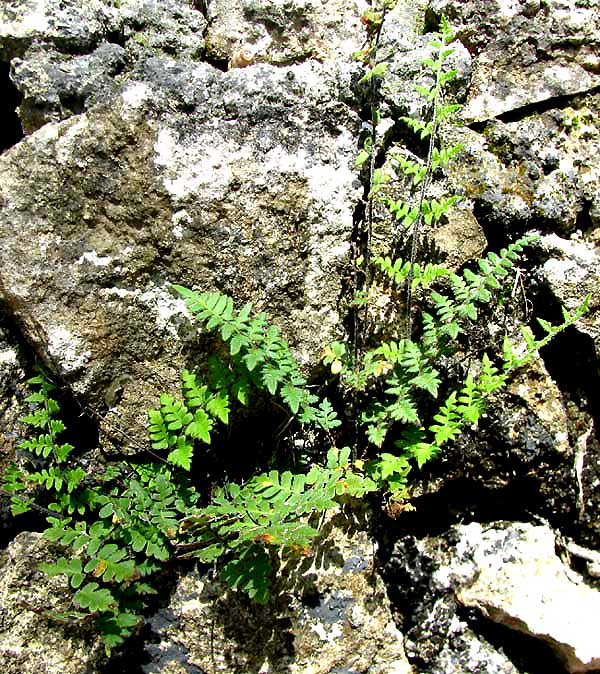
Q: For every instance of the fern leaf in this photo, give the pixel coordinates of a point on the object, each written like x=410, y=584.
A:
x=182, y=454
x=200, y=426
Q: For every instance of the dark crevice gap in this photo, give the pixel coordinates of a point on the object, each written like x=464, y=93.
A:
x=221, y=64
x=537, y=108
x=584, y=219
x=82, y=430
x=459, y=501
x=526, y=652
x=570, y=357
x=131, y=657
x=10, y=99
x=201, y=6
x=498, y=232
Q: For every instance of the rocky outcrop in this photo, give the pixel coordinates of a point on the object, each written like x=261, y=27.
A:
x=526, y=51
x=153, y=157
x=67, y=57
x=175, y=180
x=509, y=573
x=33, y=635
x=283, y=32
x=329, y=614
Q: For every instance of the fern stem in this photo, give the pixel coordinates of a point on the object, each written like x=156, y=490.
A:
x=418, y=222
x=33, y=505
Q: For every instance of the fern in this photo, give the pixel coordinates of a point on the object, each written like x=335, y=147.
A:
x=263, y=351
x=180, y=422
x=272, y=509
x=120, y=527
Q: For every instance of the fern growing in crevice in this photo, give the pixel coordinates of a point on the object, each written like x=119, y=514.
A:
x=122, y=527
x=260, y=348
x=245, y=523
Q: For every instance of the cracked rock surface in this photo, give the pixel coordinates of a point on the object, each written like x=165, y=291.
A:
x=152, y=158
x=508, y=573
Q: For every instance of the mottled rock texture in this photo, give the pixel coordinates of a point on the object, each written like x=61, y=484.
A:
x=510, y=574
x=193, y=176
x=30, y=641
x=284, y=31
x=330, y=613
x=151, y=158
x=526, y=51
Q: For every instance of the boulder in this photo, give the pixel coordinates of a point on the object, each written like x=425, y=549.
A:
x=329, y=614
x=31, y=640
x=66, y=57
x=241, y=181
x=507, y=573
x=525, y=51
x=283, y=31
x=539, y=172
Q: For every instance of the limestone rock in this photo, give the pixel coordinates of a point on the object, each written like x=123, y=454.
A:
x=285, y=31
x=66, y=57
x=441, y=641
x=525, y=51
x=30, y=641
x=241, y=181
x=405, y=47
x=55, y=86
x=169, y=27
x=510, y=573
x=331, y=614
x=540, y=172
x=517, y=580
x=572, y=273
x=12, y=409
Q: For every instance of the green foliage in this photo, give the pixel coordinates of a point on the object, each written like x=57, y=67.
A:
x=179, y=422
x=408, y=392
x=411, y=407
x=117, y=525
x=259, y=347
x=271, y=510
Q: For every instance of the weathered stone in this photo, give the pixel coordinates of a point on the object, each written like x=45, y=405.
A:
x=12, y=409
x=405, y=47
x=55, y=86
x=29, y=640
x=436, y=637
x=509, y=572
x=540, y=172
x=514, y=577
x=169, y=27
x=572, y=272
x=330, y=614
x=250, y=189
x=285, y=31
x=66, y=57
x=525, y=52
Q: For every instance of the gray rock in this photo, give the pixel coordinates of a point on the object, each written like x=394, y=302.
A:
x=514, y=578
x=404, y=46
x=539, y=172
x=510, y=574
x=68, y=56
x=242, y=181
x=77, y=27
x=436, y=637
x=55, y=86
x=284, y=31
x=525, y=52
x=30, y=641
x=169, y=27
x=329, y=614
x=572, y=272
x=12, y=409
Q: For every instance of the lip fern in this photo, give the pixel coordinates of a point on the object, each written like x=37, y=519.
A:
x=411, y=396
